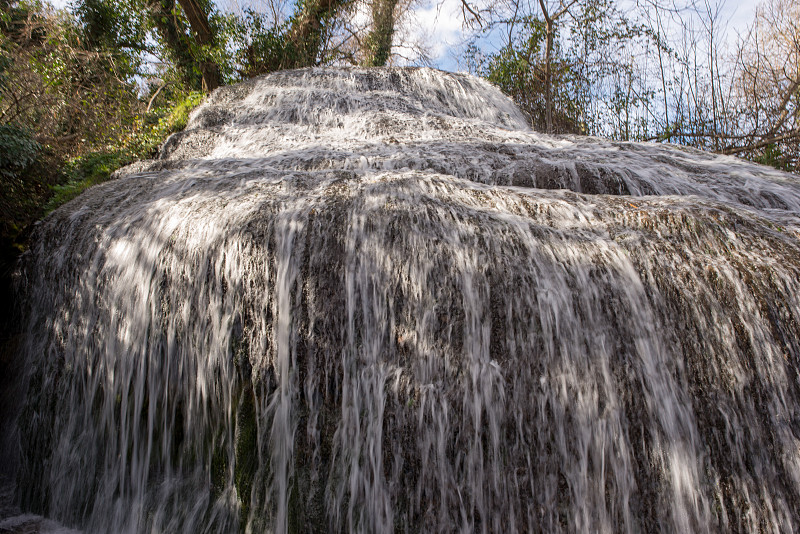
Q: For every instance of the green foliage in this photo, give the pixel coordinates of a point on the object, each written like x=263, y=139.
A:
x=72, y=98
x=20, y=187
x=18, y=151
x=116, y=28
x=774, y=156
x=595, y=86
x=260, y=46
x=377, y=46
x=72, y=83
x=97, y=167
x=237, y=46
x=157, y=125
x=26, y=172
x=83, y=173
x=518, y=70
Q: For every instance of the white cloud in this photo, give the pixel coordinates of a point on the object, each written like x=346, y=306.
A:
x=436, y=27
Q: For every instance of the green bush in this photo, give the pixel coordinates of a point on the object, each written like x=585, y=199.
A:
x=22, y=182
x=18, y=151
x=774, y=156
x=84, y=172
x=96, y=167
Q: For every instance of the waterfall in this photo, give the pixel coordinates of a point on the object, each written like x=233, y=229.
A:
x=373, y=300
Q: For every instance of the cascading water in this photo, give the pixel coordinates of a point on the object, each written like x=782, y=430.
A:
x=373, y=300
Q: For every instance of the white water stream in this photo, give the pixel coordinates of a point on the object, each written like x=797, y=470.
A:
x=373, y=300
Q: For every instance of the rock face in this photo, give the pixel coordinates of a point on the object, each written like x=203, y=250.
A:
x=373, y=300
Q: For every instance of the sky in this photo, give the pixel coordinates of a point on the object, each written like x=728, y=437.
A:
x=440, y=22
x=437, y=24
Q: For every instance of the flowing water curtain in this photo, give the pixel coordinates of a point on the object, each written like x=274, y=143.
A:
x=361, y=300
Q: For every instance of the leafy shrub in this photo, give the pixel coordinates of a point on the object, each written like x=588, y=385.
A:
x=96, y=167
x=18, y=151
x=19, y=154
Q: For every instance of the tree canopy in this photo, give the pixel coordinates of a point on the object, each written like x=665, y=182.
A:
x=653, y=72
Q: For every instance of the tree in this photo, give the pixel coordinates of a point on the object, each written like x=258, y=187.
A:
x=378, y=44
x=307, y=31
x=520, y=70
x=550, y=32
x=204, y=36
x=61, y=96
x=740, y=101
x=575, y=74
x=172, y=23
x=56, y=84
x=768, y=86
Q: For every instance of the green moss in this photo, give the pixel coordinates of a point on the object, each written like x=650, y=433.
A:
x=85, y=172
x=246, y=463
x=219, y=468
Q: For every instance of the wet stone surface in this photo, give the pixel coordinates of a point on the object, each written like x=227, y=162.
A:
x=354, y=300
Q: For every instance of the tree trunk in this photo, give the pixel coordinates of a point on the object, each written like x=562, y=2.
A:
x=548, y=76
x=205, y=36
x=378, y=46
x=305, y=34
x=550, y=31
x=162, y=13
